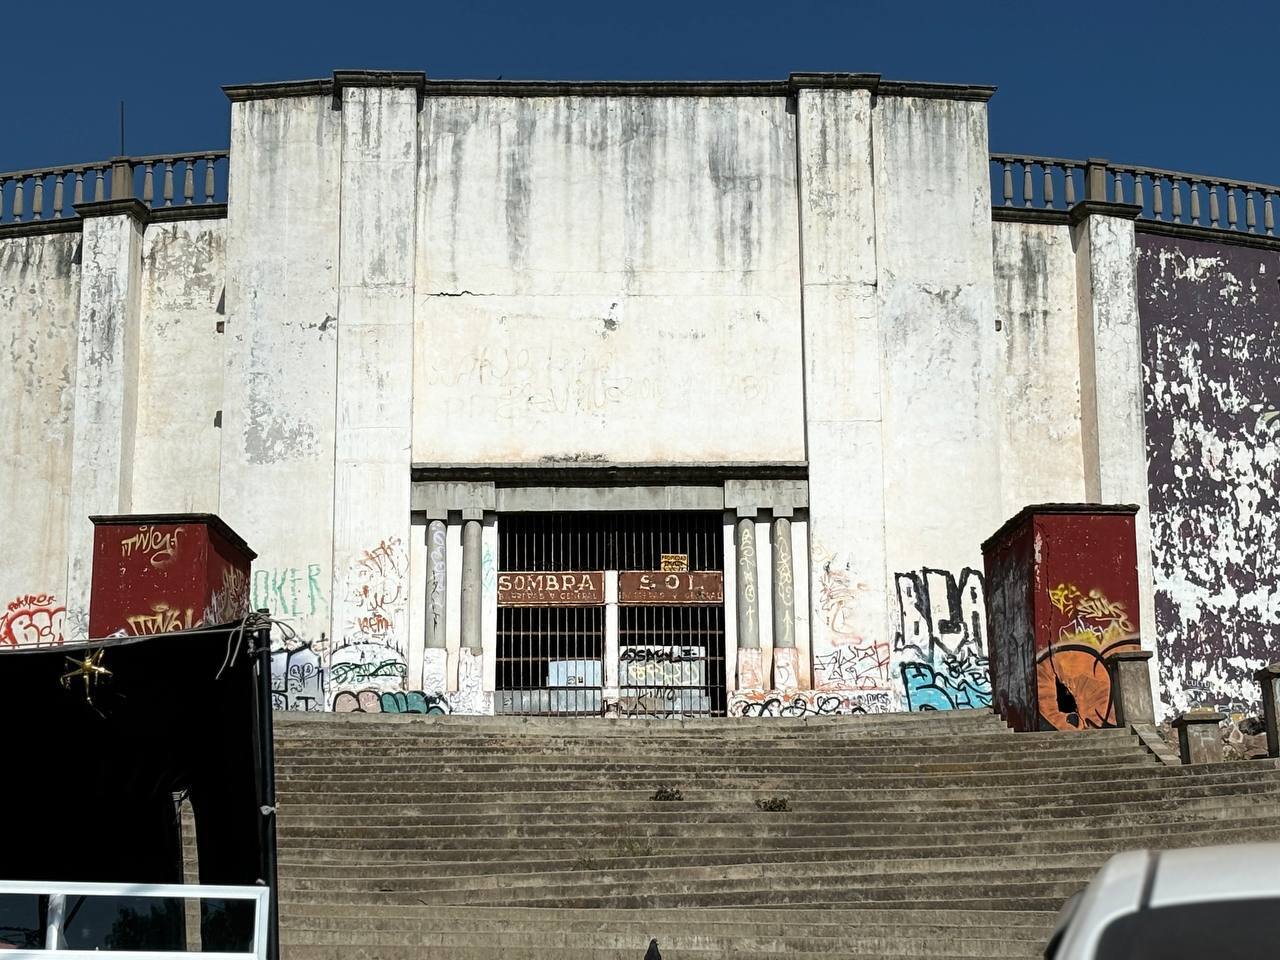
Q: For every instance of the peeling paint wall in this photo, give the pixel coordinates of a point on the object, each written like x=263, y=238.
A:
x=39, y=304
x=177, y=443
x=1211, y=360
x=610, y=278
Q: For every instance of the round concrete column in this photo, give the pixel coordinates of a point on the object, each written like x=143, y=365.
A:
x=471, y=583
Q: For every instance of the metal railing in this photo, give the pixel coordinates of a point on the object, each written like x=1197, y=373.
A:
x=1164, y=196
x=58, y=916
x=164, y=180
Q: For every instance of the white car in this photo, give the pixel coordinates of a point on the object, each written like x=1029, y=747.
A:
x=1205, y=902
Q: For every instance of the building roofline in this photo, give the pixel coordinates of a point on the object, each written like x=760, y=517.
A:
x=606, y=88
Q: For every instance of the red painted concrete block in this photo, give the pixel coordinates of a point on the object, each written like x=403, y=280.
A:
x=166, y=572
x=1062, y=596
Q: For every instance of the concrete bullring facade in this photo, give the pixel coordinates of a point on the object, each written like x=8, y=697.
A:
x=790, y=313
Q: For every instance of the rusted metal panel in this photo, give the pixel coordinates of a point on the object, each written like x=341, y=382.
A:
x=564, y=588
x=699, y=587
x=160, y=573
x=1064, y=586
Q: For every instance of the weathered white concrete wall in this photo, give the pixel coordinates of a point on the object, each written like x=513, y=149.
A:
x=105, y=396
x=39, y=305
x=607, y=278
x=371, y=542
x=177, y=444
x=277, y=480
x=850, y=645
x=939, y=354
x=1041, y=456
x=1112, y=425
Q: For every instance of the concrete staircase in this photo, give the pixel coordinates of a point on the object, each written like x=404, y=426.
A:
x=908, y=835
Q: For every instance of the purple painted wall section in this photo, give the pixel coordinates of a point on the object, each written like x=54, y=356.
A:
x=1210, y=316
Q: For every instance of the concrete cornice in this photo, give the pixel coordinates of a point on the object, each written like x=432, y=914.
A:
x=935, y=91
x=277, y=91
x=1030, y=215
x=36, y=228
x=568, y=474
x=1191, y=231
x=1103, y=208
x=399, y=79
x=127, y=206
x=605, y=88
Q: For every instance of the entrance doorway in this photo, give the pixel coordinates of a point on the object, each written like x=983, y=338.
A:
x=555, y=654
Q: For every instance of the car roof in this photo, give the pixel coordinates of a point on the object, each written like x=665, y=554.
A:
x=1229, y=872
x=1136, y=878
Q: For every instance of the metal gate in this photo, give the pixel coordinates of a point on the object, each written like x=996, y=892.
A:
x=551, y=614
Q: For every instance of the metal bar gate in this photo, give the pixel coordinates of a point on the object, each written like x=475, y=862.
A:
x=552, y=622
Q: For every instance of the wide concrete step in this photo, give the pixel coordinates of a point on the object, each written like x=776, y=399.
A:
x=358, y=951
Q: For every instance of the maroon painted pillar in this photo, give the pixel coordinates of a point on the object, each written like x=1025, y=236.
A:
x=1062, y=597
x=166, y=572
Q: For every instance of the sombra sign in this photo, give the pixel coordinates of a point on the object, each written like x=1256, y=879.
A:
x=565, y=588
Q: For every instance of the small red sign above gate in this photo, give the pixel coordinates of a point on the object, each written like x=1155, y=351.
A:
x=565, y=588
x=698, y=587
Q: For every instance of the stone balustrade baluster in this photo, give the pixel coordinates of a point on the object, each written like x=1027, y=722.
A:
x=1048, y=186
x=18, y=187
x=100, y=185
x=148, y=183
x=1007, y=183
x=1157, y=199
x=58, y=190
x=3, y=183
x=1138, y=196
x=37, y=198
x=1231, y=209
x=1194, y=189
x=1027, y=191
x=1069, y=185
x=1117, y=187
x=1175, y=195
x=1268, y=216
x=188, y=180
x=209, y=185
x=1215, y=212
x=1250, y=213
x=168, y=182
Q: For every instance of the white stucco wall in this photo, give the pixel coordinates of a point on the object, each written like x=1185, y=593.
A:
x=39, y=303
x=1041, y=459
x=607, y=278
x=277, y=478
x=180, y=363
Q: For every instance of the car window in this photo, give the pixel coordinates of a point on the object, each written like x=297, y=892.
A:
x=1223, y=930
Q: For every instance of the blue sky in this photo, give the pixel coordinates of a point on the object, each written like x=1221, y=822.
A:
x=1187, y=86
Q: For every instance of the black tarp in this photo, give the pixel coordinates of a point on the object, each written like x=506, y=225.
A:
x=90, y=780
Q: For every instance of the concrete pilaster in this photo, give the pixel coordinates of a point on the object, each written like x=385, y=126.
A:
x=105, y=388
x=374, y=388
x=472, y=586
x=748, y=609
x=435, y=655
x=1269, y=677
x=1200, y=736
x=786, y=666
x=1113, y=430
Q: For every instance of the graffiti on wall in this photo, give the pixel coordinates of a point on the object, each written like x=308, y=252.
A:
x=849, y=659
x=392, y=701
x=371, y=651
x=1072, y=683
x=33, y=620
x=297, y=678
x=290, y=591
x=940, y=647
x=805, y=703
x=231, y=600
x=1210, y=326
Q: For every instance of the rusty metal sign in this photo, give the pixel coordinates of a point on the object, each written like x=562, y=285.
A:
x=565, y=588
x=659, y=587
x=675, y=562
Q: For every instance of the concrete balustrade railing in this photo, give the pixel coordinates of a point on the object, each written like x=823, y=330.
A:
x=1164, y=196
x=164, y=180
